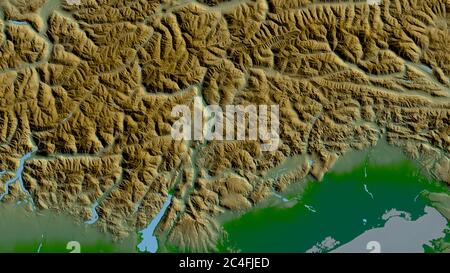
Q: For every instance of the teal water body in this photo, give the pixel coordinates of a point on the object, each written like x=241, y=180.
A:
x=340, y=208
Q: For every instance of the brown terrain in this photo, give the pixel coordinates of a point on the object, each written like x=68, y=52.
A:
x=88, y=87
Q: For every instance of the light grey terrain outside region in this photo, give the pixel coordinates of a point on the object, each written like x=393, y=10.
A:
x=400, y=234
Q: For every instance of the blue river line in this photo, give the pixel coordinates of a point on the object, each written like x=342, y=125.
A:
x=94, y=214
x=18, y=177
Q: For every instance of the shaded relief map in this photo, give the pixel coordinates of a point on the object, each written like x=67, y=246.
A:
x=224, y=126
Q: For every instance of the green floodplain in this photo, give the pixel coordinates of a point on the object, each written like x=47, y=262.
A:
x=350, y=200
x=24, y=231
